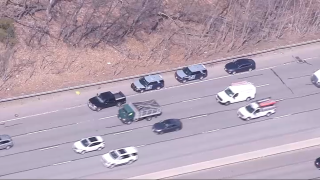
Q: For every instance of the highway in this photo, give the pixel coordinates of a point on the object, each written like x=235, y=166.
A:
x=293, y=165
x=45, y=128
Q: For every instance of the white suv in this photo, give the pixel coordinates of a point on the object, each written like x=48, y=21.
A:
x=118, y=157
x=88, y=144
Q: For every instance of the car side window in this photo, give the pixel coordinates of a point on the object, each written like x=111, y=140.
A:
x=134, y=154
x=257, y=111
x=245, y=65
x=94, y=144
x=125, y=156
x=2, y=142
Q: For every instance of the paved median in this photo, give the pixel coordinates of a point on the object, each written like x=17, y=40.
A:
x=231, y=159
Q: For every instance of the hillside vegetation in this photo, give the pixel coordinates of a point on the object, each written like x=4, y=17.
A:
x=49, y=44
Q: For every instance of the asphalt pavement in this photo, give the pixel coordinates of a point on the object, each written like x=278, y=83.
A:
x=292, y=165
x=45, y=129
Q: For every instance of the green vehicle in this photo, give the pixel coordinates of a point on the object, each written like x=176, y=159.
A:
x=139, y=110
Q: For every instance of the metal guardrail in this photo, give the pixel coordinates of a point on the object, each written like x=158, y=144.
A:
x=158, y=72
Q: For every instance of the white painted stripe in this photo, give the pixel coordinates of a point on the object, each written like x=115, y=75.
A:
x=48, y=148
x=61, y=163
x=213, y=131
x=198, y=116
x=140, y=146
x=108, y=117
x=36, y=132
x=74, y=107
x=122, y=132
x=191, y=100
x=282, y=116
x=29, y=116
x=231, y=159
x=262, y=85
x=310, y=58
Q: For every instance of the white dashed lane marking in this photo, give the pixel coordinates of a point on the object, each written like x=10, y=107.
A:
x=61, y=163
x=123, y=132
x=49, y=148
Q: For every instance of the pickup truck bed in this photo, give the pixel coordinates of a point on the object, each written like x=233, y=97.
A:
x=119, y=95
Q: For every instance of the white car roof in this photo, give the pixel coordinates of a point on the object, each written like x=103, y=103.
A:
x=254, y=105
x=129, y=150
x=95, y=139
x=242, y=86
x=317, y=73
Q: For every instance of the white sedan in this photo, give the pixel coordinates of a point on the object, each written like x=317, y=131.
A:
x=118, y=157
x=95, y=143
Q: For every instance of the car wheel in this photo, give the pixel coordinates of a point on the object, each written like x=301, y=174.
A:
x=158, y=88
x=178, y=129
x=201, y=78
x=268, y=114
x=129, y=122
x=234, y=73
x=141, y=91
x=98, y=109
x=250, y=69
x=160, y=133
x=149, y=118
x=100, y=148
x=111, y=166
x=227, y=103
x=82, y=152
x=184, y=81
x=119, y=104
x=248, y=118
x=8, y=147
x=248, y=99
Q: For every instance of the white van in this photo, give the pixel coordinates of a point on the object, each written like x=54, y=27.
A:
x=237, y=92
x=315, y=78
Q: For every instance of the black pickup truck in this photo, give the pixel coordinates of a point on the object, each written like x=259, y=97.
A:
x=105, y=100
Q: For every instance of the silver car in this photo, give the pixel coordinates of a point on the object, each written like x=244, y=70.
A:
x=5, y=142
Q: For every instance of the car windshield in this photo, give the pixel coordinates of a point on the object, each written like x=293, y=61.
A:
x=100, y=99
x=85, y=143
x=249, y=109
x=229, y=92
x=114, y=155
x=143, y=81
x=187, y=71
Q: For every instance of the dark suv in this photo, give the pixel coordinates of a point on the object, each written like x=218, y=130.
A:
x=5, y=142
x=193, y=72
x=148, y=83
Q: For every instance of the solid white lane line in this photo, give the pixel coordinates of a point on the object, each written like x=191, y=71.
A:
x=15, y=119
x=122, y=132
x=262, y=85
x=108, y=117
x=61, y=163
x=48, y=148
x=198, y=116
